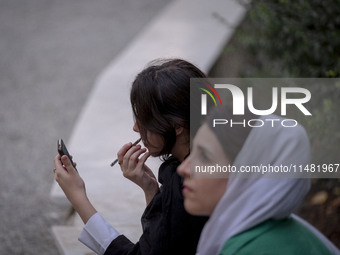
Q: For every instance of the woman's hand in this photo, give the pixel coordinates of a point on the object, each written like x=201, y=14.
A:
x=132, y=163
x=73, y=186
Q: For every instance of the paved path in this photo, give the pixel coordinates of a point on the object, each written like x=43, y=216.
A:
x=51, y=52
x=196, y=30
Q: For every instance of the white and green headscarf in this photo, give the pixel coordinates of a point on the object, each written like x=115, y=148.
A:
x=250, y=201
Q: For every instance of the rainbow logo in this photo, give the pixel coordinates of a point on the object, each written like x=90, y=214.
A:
x=204, y=98
x=209, y=93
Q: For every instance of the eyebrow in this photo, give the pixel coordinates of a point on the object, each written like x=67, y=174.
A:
x=206, y=151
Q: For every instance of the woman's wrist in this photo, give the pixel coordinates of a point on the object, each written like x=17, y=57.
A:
x=150, y=193
x=83, y=207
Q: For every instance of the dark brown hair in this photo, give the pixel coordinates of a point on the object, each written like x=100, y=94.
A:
x=160, y=99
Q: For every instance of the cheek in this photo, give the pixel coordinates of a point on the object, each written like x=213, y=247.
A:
x=205, y=197
x=155, y=141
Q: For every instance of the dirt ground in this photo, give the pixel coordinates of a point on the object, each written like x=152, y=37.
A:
x=321, y=206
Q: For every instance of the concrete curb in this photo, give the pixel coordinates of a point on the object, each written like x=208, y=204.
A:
x=195, y=30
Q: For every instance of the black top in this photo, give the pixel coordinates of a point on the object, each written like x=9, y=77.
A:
x=167, y=227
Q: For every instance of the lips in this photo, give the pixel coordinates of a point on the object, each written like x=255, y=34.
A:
x=186, y=189
x=144, y=142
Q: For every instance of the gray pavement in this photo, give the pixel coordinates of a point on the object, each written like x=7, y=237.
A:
x=51, y=53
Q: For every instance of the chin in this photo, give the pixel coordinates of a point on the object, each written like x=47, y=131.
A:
x=154, y=154
x=194, y=210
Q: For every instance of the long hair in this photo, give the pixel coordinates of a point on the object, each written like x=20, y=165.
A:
x=160, y=99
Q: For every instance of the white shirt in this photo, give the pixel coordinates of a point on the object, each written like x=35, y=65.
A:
x=97, y=234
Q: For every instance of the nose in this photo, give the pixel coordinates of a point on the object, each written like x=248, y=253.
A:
x=184, y=168
x=135, y=127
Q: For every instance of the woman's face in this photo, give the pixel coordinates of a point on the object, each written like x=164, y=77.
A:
x=202, y=193
x=154, y=143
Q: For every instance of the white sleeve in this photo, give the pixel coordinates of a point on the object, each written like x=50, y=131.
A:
x=98, y=234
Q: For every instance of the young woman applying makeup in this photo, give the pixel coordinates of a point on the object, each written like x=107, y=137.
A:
x=161, y=107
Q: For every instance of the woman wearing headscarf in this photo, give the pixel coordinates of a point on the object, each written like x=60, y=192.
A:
x=250, y=214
